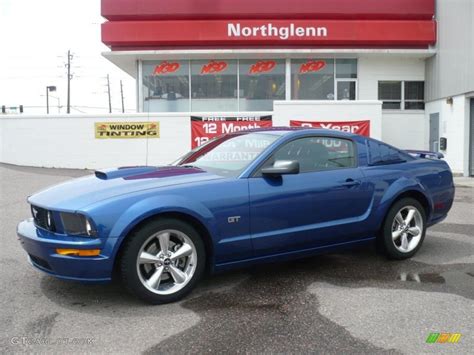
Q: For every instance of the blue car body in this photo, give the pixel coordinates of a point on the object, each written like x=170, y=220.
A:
x=245, y=219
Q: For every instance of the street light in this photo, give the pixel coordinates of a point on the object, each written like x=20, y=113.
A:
x=56, y=98
x=48, y=90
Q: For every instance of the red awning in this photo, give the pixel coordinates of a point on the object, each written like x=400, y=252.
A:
x=120, y=10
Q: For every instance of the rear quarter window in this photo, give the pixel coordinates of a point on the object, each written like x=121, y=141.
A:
x=381, y=153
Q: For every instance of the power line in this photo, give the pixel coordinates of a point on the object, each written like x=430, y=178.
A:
x=108, y=92
x=75, y=108
x=121, y=94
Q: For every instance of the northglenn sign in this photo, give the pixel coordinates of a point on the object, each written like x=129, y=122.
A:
x=266, y=33
x=269, y=30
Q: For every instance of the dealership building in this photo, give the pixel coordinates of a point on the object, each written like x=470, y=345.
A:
x=404, y=65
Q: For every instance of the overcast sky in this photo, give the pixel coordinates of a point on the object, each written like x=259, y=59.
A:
x=34, y=38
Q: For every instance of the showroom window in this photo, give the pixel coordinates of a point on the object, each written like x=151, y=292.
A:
x=260, y=83
x=166, y=86
x=246, y=85
x=214, y=85
x=312, y=79
x=402, y=95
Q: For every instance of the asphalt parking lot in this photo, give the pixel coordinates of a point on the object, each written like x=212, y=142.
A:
x=352, y=302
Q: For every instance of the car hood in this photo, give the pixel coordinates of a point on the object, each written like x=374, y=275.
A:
x=78, y=193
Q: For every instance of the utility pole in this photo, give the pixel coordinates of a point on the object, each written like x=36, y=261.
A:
x=69, y=77
x=121, y=94
x=108, y=92
x=47, y=100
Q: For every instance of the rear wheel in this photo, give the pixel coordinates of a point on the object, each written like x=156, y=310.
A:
x=404, y=229
x=163, y=261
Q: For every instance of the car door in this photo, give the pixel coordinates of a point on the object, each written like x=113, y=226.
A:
x=324, y=204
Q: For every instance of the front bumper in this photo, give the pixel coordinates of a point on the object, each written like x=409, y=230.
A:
x=41, y=247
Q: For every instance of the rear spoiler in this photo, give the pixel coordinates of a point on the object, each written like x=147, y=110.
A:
x=425, y=154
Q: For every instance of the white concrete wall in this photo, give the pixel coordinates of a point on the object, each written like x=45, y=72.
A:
x=454, y=125
x=69, y=141
x=404, y=129
x=323, y=111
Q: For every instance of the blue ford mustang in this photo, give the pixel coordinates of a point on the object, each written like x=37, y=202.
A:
x=243, y=198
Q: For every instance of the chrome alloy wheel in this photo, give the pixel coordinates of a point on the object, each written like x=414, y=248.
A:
x=166, y=262
x=407, y=229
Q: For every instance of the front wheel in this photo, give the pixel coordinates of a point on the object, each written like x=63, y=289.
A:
x=404, y=229
x=163, y=261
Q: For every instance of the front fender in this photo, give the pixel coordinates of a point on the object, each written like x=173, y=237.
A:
x=154, y=205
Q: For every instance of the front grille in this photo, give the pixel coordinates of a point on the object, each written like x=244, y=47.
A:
x=43, y=218
x=40, y=262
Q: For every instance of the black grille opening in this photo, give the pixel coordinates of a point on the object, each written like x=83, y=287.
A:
x=43, y=218
x=40, y=262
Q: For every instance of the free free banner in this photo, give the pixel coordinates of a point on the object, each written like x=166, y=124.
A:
x=204, y=129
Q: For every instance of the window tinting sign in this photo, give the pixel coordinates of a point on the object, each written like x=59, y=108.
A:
x=105, y=130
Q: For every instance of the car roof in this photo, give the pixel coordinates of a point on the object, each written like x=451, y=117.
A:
x=282, y=131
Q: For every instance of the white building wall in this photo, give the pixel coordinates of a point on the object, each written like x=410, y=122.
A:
x=450, y=72
x=403, y=129
x=323, y=111
x=454, y=125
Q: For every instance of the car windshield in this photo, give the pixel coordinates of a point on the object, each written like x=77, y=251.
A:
x=228, y=155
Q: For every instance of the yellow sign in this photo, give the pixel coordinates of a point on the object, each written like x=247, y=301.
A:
x=114, y=130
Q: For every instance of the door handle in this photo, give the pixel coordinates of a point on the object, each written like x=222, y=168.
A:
x=351, y=182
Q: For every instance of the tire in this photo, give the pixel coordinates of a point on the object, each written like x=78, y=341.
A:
x=158, y=277
x=400, y=240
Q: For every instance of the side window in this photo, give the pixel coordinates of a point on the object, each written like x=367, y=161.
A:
x=381, y=154
x=317, y=153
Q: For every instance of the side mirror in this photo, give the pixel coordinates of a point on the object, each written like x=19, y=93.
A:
x=282, y=167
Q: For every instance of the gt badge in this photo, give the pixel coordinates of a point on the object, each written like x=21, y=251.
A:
x=233, y=219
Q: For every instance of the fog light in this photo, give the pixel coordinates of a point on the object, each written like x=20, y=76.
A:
x=78, y=252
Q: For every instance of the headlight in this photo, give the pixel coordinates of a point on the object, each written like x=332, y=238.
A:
x=43, y=218
x=77, y=224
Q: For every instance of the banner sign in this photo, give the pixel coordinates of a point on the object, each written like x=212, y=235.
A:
x=204, y=129
x=105, y=130
x=255, y=32
x=357, y=127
